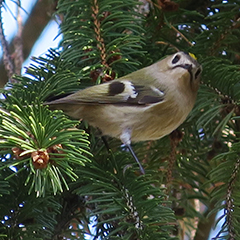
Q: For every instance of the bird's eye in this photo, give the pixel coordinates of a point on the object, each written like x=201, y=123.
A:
x=176, y=59
x=197, y=73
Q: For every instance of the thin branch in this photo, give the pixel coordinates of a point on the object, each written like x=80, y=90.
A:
x=168, y=44
x=230, y=201
x=175, y=138
x=97, y=29
x=18, y=46
x=36, y=22
x=178, y=32
x=8, y=63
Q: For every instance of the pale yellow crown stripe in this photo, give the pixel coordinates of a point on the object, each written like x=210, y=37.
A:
x=193, y=56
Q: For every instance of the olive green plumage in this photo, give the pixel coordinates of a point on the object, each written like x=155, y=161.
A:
x=144, y=105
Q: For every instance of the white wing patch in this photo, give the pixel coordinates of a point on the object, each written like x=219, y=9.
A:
x=129, y=90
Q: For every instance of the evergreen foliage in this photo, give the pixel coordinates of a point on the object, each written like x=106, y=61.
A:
x=57, y=178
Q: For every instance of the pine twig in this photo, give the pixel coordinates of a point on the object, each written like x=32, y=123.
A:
x=178, y=32
x=97, y=29
x=133, y=213
x=230, y=201
x=168, y=44
x=175, y=138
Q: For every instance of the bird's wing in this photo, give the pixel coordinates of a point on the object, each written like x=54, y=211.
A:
x=115, y=92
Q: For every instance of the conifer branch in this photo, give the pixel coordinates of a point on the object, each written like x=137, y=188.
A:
x=97, y=29
x=181, y=34
x=168, y=44
x=230, y=201
x=133, y=213
x=175, y=138
x=223, y=36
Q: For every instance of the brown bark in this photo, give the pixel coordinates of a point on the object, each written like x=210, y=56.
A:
x=37, y=21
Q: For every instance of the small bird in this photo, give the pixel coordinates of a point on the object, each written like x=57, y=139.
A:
x=144, y=105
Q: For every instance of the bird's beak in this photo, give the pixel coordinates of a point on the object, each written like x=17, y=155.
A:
x=188, y=67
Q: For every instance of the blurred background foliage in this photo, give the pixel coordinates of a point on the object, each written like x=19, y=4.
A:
x=57, y=178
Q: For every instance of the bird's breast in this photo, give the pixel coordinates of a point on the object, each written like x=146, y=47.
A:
x=159, y=121
x=144, y=122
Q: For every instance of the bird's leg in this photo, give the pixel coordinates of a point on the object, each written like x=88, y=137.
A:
x=136, y=159
x=126, y=139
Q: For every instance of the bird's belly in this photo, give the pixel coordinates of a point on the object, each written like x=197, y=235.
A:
x=144, y=123
x=156, y=127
